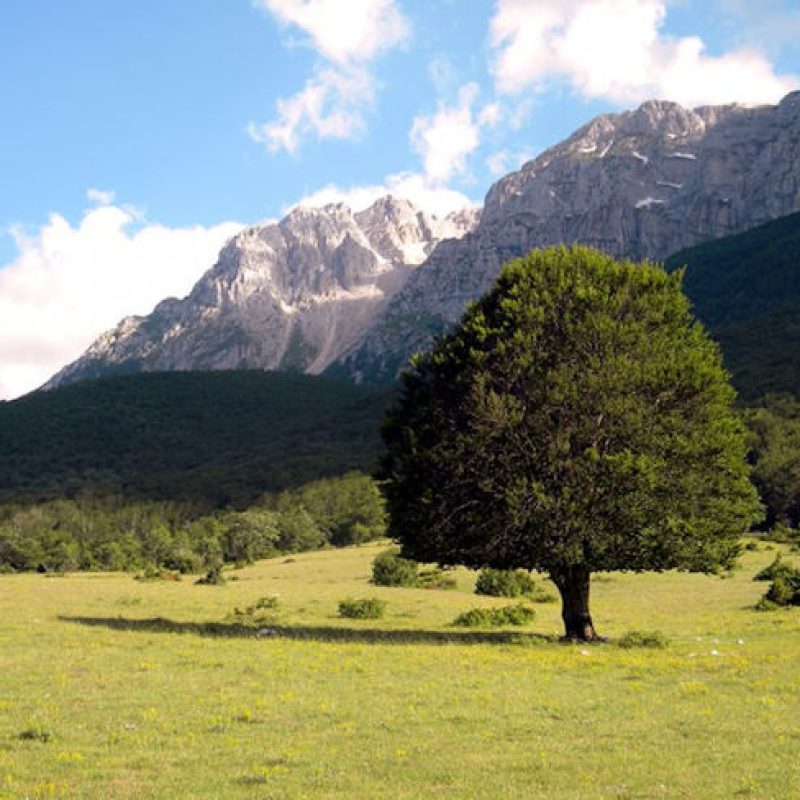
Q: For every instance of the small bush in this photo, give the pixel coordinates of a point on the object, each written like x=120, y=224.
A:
x=390, y=569
x=262, y=612
x=362, y=608
x=495, y=617
x=752, y=546
x=777, y=569
x=35, y=734
x=504, y=583
x=784, y=591
x=653, y=639
x=213, y=577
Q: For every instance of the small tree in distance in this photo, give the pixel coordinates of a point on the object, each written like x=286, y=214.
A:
x=577, y=420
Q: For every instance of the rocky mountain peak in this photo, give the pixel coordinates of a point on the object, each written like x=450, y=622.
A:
x=296, y=294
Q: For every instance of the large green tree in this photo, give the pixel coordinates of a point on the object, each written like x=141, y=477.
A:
x=577, y=420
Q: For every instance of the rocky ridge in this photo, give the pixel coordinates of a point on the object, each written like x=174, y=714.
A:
x=296, y=295
x=356, y=293
x=642, y=184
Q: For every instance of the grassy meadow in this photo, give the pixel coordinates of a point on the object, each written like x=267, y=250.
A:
x=113, y=688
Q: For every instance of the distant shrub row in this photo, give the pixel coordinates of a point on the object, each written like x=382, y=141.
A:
x=110, y=533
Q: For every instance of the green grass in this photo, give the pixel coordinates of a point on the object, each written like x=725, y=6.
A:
x=111, y=688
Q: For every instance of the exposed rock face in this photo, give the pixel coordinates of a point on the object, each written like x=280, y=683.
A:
x=641, y=184
x=327, y=289
x=296, y=295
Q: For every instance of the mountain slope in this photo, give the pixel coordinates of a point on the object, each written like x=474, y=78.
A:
x=213, y=437
x=746, y=289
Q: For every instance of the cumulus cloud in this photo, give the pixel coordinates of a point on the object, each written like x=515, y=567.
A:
x=344, y=31
x=70, y=283
x=331, y=106
x=445, y=139
x=615, y=50
x=413, y=186
x=348, y=35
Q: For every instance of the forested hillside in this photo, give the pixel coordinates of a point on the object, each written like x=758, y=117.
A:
x=746, y=289
x=215, y=438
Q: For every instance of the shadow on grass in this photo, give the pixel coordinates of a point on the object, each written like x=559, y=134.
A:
x=310, y=633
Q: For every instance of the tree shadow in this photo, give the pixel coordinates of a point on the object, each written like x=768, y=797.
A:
x=313, y=633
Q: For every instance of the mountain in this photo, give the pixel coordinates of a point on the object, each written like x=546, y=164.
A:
x=208, y=437
x=292, y=296
x=641, y=184
x=336, y=291
x=746, y=289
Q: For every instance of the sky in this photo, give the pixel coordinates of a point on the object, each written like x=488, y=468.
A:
x=137, y=136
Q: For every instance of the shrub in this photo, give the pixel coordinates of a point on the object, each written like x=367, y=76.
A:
x=495, y=617
x=213, y=577
x=785, y=591
x=262, y=612
x=35, y=734
x=362, y=608
x=504, y=583
x=752, y=545
x=389, y=569
x=653, y=639
x=777, y=569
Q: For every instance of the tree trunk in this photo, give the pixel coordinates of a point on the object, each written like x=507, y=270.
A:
x=573, y=584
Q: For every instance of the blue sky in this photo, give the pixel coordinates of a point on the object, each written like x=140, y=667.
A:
x=138, y=136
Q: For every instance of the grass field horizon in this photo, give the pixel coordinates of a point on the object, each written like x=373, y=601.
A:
x=114, y=688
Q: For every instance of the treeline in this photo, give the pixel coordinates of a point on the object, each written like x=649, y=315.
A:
x=114, y=533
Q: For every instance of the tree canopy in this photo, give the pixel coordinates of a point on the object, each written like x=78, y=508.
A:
x=578, y=419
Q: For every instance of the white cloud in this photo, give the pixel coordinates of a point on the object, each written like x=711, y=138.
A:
x=100, y=197
x=331, y=106
x=344, y=31
x=437, y=200
x=446, y=138
x=614, y=49
x=348, y=35
x=70, y=283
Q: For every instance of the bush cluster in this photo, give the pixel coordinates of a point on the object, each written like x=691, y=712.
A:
x=389, y=568
x=785, y=587
x=495, y=617
x=362, y=608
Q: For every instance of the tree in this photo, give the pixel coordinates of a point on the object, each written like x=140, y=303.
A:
x=577, y=420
